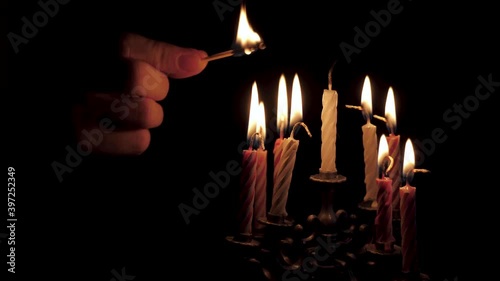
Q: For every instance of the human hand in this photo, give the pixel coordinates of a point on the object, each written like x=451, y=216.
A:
x=118, y=123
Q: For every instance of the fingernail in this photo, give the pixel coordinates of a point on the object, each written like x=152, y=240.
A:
x=189, y=62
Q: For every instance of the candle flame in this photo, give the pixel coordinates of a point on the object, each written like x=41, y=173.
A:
x=261, y=121
x=390, y=110
x=296, y=107
x=383, y=150
x=246, y=38
x=254, y=112
x=282, y=106
x=409, y=159
x=366, y=97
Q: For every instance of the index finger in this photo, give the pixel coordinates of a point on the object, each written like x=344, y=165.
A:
x=175, y=61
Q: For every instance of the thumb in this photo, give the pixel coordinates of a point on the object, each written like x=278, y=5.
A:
x=175, y=61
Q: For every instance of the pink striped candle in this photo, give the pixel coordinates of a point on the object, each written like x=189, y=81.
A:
x=282, y=123
x=259, y=211
x=248, y=178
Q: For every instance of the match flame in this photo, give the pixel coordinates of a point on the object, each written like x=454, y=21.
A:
x=390, y=110
x=282, y=119
x=296, y=106
x=246, y=38
x=254, y=112
x=366, y=98
x=383, y=150
x=409, y=159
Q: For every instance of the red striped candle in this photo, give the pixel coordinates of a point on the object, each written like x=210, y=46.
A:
x=259, y=206
x=247, y=193
x=408, y=228
x=395, y=173
x=393, y=141
x=383, y=219
x=408, y=212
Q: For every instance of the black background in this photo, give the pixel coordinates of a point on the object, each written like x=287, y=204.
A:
x=119, y=212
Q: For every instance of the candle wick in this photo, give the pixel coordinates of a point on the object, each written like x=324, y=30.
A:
x=330, y=80
x=261, y=142
x=421, y=171
x=391, y=164
x=354, y=107
x=252, y=140
x=297, y=126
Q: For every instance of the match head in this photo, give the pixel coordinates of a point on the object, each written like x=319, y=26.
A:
x=240, y=51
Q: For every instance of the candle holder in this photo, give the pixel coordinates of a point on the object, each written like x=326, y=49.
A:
x=329, y=245
x=327, y=183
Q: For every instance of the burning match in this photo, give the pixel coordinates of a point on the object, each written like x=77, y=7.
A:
x=238, y=52
x=247, y=40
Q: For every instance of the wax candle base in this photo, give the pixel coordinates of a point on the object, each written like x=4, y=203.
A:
x=368, y=205
x=277, y=220
x=381, y=249
x=328, y=177
x=243, y=240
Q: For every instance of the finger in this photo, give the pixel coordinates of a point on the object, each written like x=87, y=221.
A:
x=177, y=62
x=147, y=81
x=131, y=142
x=123, y=110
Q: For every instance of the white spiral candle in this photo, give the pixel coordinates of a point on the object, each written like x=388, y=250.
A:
x=284, y=177
x=370, y=157
x=329, y=131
